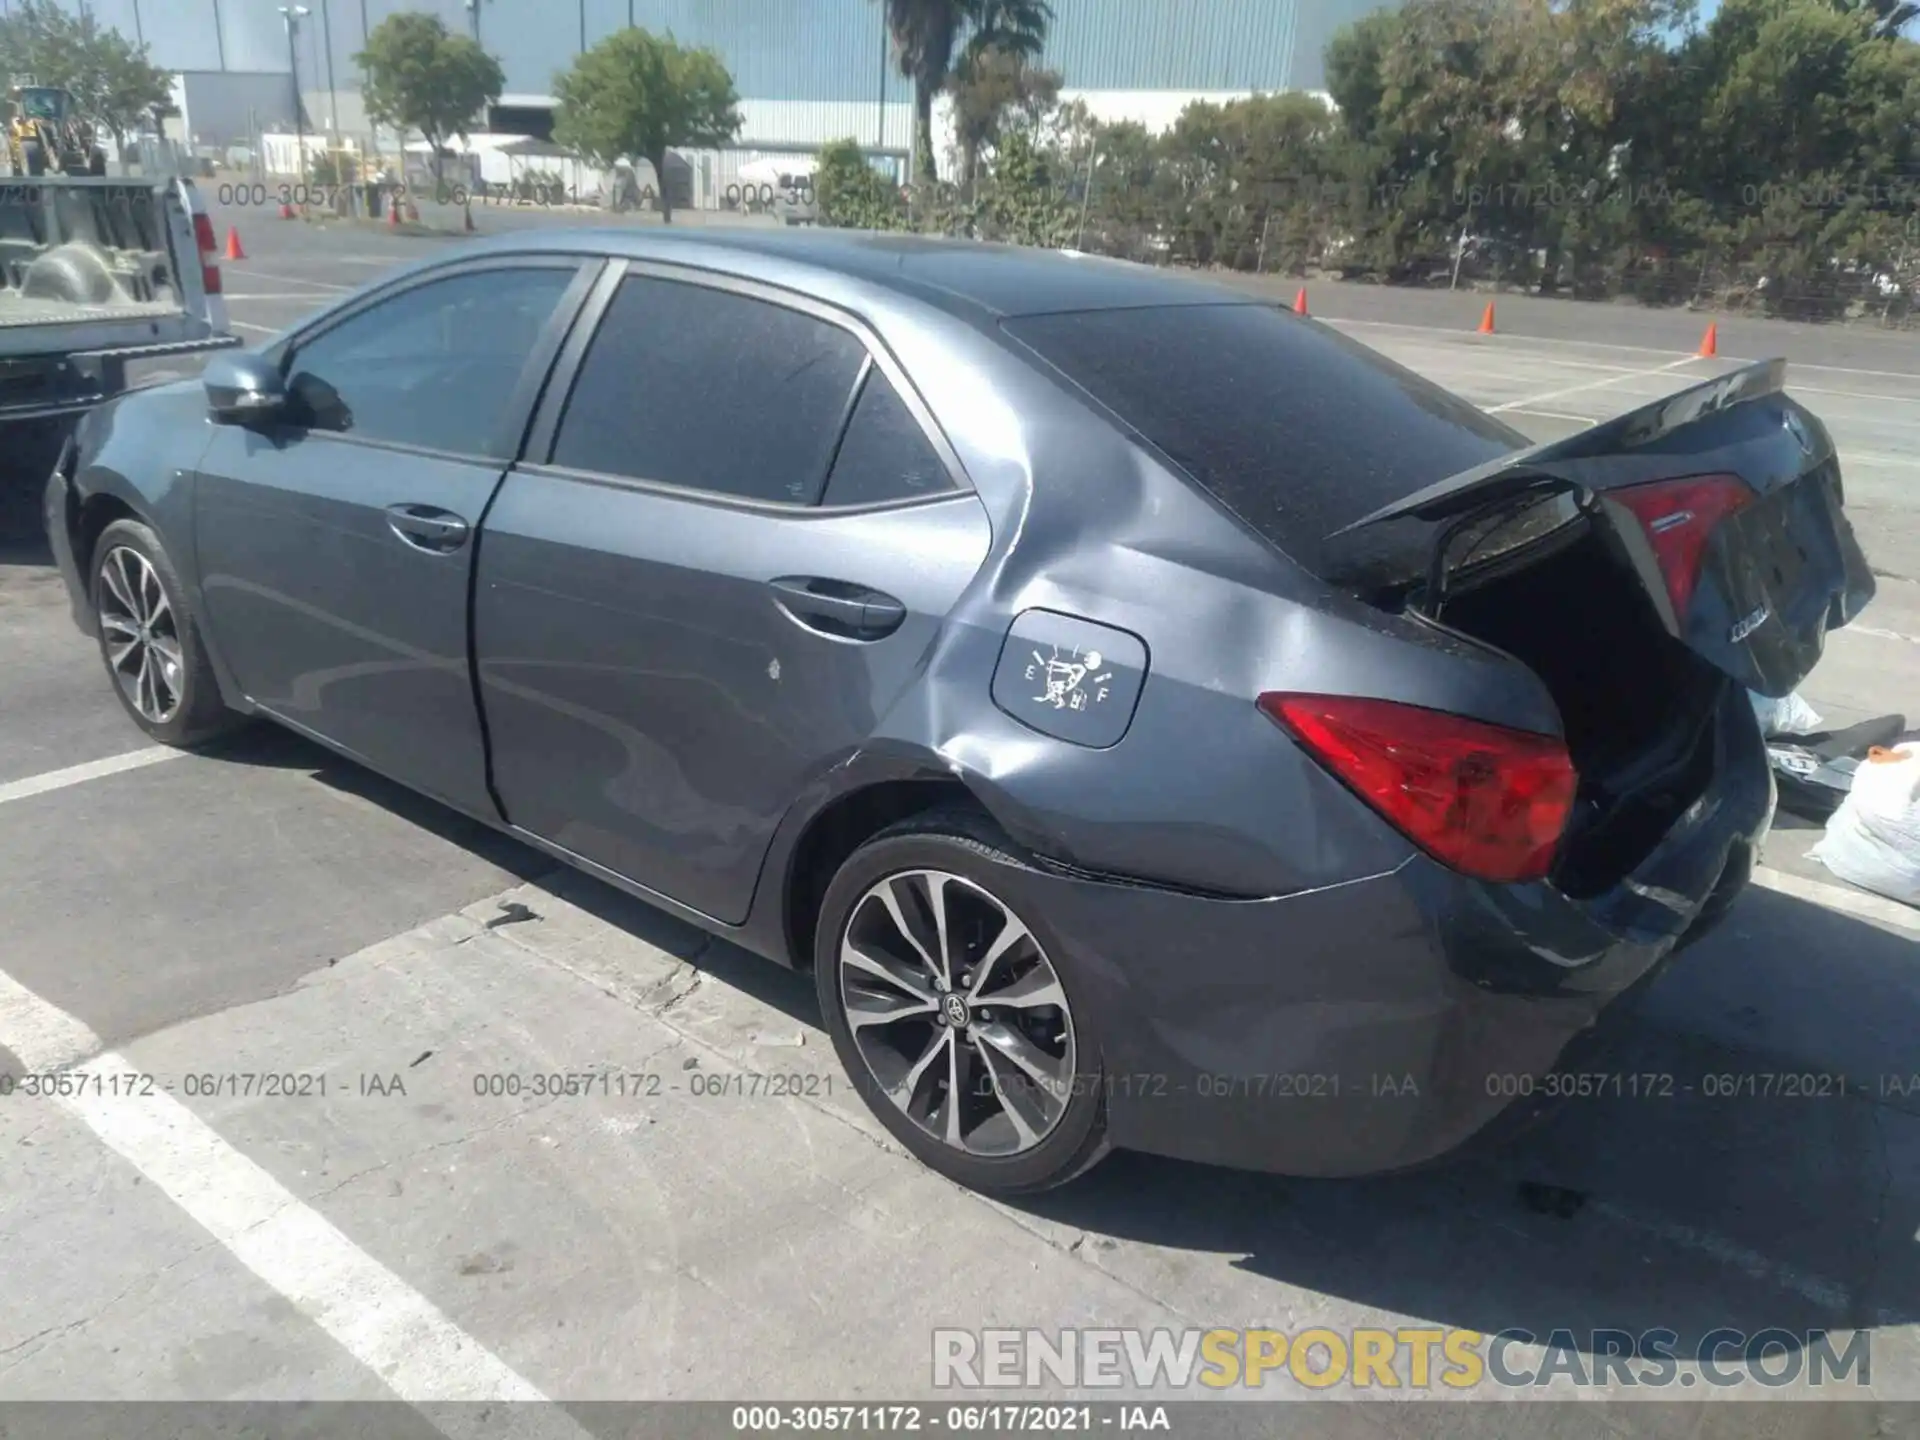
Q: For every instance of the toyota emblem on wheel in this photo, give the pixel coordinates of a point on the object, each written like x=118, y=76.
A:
x=955, y=1007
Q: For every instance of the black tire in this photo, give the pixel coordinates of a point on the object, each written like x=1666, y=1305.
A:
x=97, y=163
x=965, y=844
x=199, y=715
x=35, y=157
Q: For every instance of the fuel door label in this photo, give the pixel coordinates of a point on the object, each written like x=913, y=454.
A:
x=1070, y=678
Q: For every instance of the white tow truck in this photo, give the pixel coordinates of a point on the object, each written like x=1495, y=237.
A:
x=95, y=274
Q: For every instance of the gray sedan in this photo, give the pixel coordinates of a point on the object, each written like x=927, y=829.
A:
x=1156, y=720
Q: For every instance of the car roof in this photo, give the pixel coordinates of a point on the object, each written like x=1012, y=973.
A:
x=994, y=281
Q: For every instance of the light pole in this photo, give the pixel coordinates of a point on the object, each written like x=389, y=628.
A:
x=583, y=27
x=373, y=130
x=219, y=36
x=293, y=15
x=333, y=95
x=139, y=30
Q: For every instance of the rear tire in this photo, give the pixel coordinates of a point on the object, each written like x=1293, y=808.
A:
x=972, y=1000
x=97, y=163
x=35, y=157
x=150, y=642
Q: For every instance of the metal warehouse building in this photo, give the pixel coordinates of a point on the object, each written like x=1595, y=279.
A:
x=808, y=71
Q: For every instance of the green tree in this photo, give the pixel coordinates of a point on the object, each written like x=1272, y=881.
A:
x=1021, y=202
x=420, y=76
x=131, y=88
x=851, y=194
x=636, y=95
x=111, y=79
x=1889, y=17
x=925, y=33
x=992, y=88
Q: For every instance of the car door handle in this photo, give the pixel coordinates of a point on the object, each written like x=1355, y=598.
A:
x=837, y=608
x=428, y=527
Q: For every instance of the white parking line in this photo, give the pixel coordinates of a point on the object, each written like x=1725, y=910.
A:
x=258, y=329
x=79, y=774
x=1837, y=897
x=253, y=274
x=1530, y=339
x=1878, y=634
x=304, y=297
x=1557, y=415
x=1561, y=393
x=383, y=1322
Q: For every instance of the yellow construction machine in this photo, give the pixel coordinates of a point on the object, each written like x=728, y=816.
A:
x=46, y=134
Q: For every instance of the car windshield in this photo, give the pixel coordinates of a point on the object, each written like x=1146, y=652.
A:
x=41, y=104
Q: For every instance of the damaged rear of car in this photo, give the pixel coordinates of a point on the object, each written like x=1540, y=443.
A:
x=1648, y=570
x=1584, y=790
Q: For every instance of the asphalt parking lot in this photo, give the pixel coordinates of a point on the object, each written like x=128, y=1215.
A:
x=268, y=909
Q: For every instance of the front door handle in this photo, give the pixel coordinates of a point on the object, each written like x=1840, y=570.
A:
x=838, y=608
x=428, y=527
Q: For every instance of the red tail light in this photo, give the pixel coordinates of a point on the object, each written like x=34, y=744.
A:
x=204, y=237
x=1490, y=802
x=1679, y=516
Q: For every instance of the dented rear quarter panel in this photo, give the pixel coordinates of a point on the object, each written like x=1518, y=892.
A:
x=1202, y=793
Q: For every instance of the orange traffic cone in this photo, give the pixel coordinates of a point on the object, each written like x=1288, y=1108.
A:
x=1486, y=320
x=1710, y=342
x=1300, y=302
x=234, y=252
x=286, y=211
x=469, y=219
x=393, y=212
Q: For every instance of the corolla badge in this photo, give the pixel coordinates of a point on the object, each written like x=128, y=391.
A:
x=1797, y=428
x=1748, y=624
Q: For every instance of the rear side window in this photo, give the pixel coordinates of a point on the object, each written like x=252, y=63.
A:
x=885, y=455
x=1295, y=428
x=690, y=386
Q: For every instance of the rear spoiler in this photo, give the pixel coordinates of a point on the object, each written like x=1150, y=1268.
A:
x=1526, y=469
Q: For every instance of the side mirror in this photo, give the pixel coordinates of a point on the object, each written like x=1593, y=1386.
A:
x=242, y=388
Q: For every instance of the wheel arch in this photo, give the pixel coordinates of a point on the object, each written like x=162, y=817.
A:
x=835, y=829
x=90, y=516
x=103, y=495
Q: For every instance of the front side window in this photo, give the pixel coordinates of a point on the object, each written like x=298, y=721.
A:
x=436, y=366
x=697, y=387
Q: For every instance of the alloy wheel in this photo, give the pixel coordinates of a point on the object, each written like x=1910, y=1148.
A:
x=140, y=634
x=957, y=1012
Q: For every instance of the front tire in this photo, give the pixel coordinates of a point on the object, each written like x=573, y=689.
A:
x=949, y=1008
x=150, y=642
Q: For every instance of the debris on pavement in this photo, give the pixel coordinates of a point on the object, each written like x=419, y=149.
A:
x=1873, y=839
x=1789, y=715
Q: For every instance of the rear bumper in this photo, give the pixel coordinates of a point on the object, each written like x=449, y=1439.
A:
x=1379, y=1024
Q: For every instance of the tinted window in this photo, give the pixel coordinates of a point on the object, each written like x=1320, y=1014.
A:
x=885, y=455
x=1295, y=428
x=434, y=366
x=697, y=387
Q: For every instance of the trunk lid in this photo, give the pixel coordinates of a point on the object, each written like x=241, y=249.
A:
x=1765, y=580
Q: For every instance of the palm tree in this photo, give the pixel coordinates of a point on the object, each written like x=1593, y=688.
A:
x=925, y=33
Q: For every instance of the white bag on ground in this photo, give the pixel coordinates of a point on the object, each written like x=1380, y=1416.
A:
x=1788, y=716
x=1873, y=839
